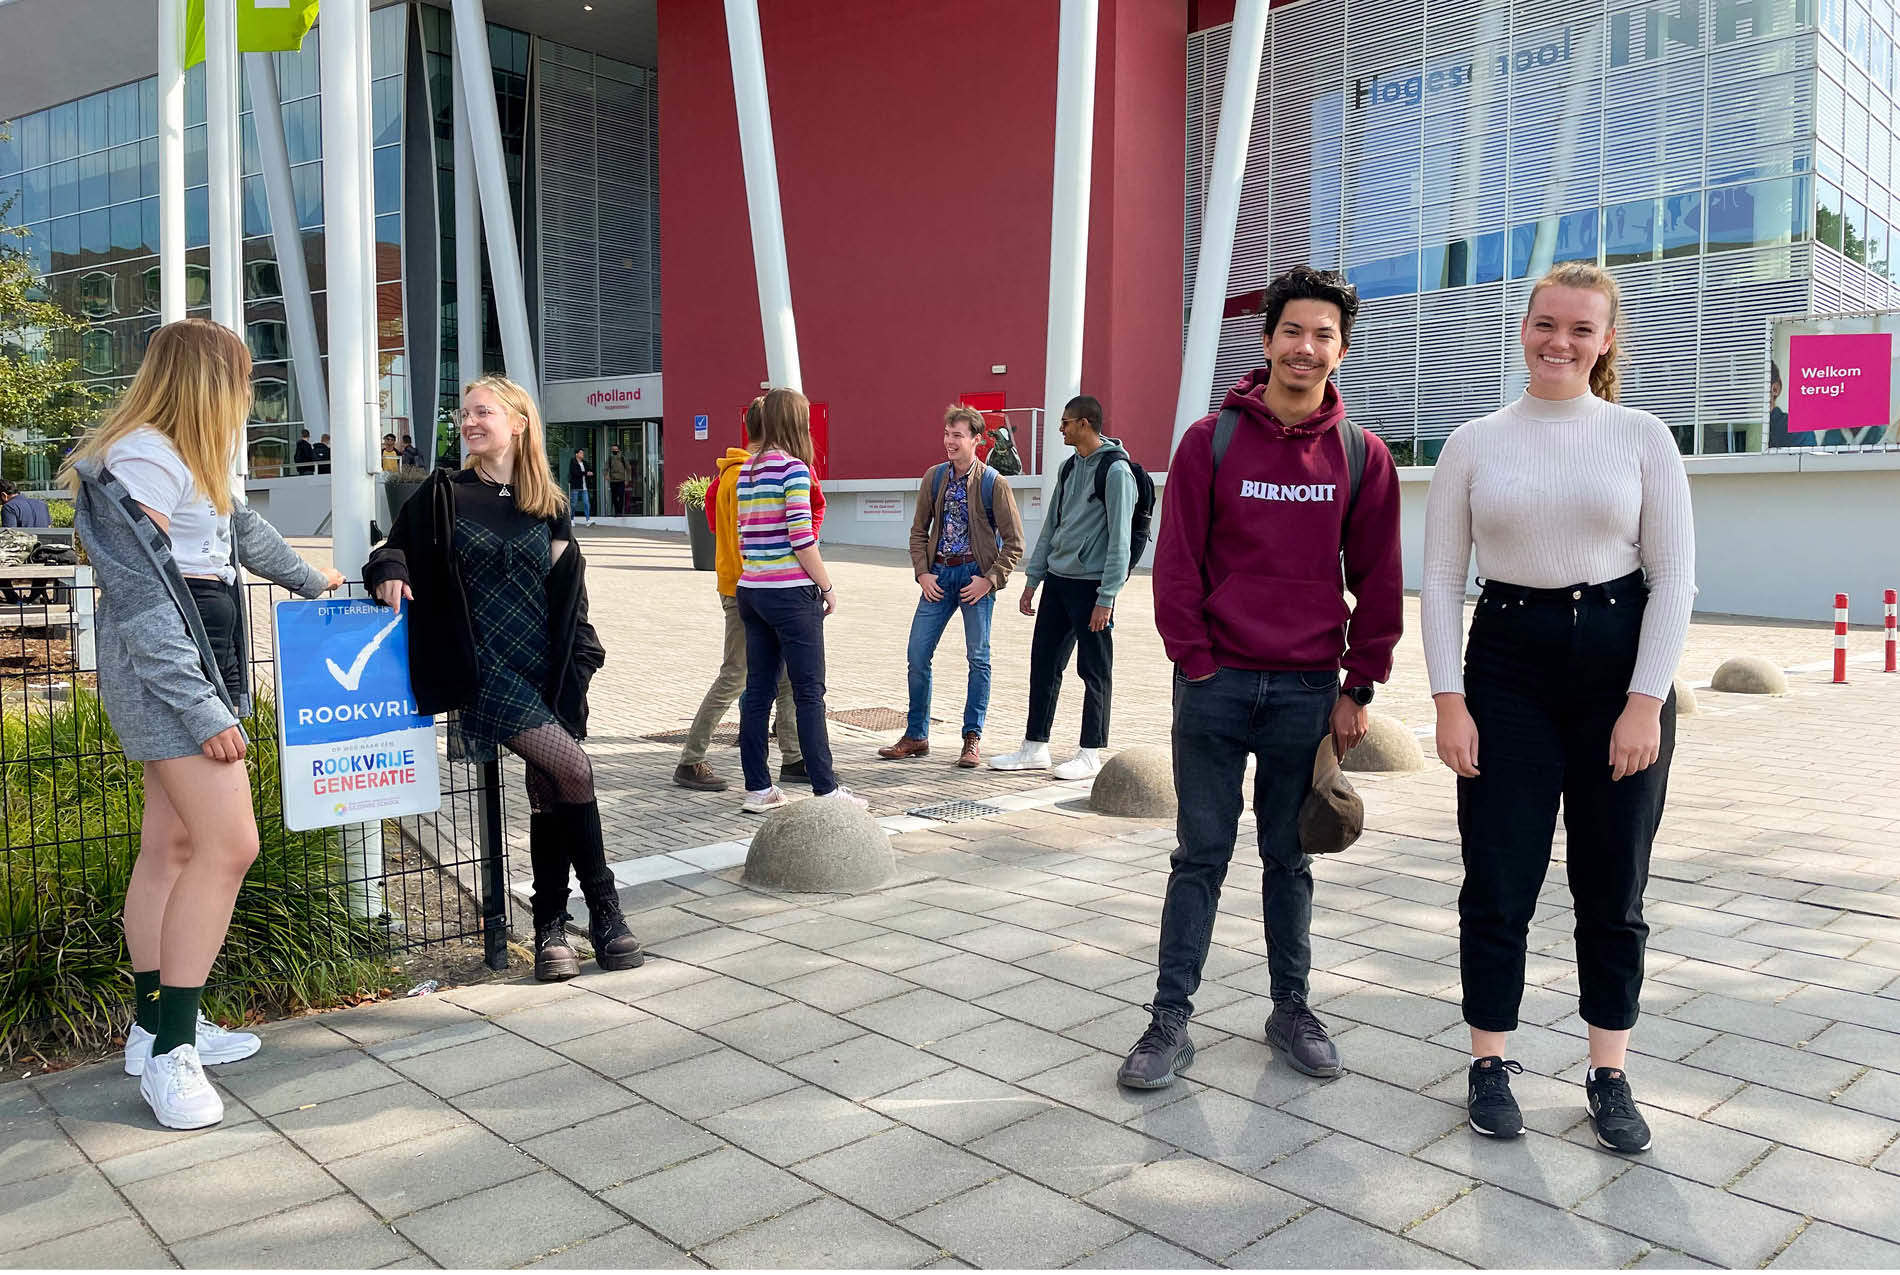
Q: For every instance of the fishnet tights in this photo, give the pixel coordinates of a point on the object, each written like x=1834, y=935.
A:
x=559, y=772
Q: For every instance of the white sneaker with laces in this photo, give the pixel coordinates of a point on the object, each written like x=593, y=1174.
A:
x=1083, y=765
x=175, y=1088
x=758, y=803
x=1031, y=756
x=841, y=793
x=215, y=1045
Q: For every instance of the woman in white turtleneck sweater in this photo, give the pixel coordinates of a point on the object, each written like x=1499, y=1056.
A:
x=1578, y=509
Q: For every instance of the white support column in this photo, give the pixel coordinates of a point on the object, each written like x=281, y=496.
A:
x=1068, y=229
x=761, y=191
x=222, y=163
x=1220, y=212
x=491, y=171
x=372, y=338
x=171, y=160
x=306, y=355
x=470, y=313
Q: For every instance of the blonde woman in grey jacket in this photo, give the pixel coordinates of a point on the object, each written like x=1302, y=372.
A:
x=165, y=532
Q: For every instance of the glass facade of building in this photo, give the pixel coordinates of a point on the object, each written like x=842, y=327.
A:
x=1731, y=161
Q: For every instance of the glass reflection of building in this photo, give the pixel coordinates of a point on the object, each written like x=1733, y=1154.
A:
x=1731, y=161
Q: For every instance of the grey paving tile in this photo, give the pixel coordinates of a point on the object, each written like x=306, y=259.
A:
x=1203, y=1207
x=1089, y=1083
x=1494, y=1228
x=331, y=1234
x=1830, y=1248
x=1006, y=942
x=1140, y=1252
x=826, y=1234
x=1859, y=1044
x=655, y=976
x=1070, y=1151
x=1688, y=1148
x=226, y=1192
x=565, y=1020
x=891, y=951
x=968, y=976
x=1400, y=1060
x=1376, y=1112
x=1699, y=1220
x=631, y=1248
x=934, y=922
x=714, y=1000
x=1248, y=1069
x=703, y=947
x=541, y=1213
x=1014, y=1223
x=121, y=1245
x=784, y=1031
x=471, y=1028
x=1673, y=1086
x=1876, y=1092
x=772, y=963
x=826, y=932
x=1345, y=1244
x=415, y=1175
x=1805, y=1123
x=56, y=1204
x=1777, y=1066
x=623, y=1051
x=33, y=1146
x=1236, y=1132
x=1417, y=1016
x=1745, y=1018
x=843, y=987
x=1009, y=1050
x=1384, y=1188
x=697, y=1202
x=1845, y=1194
x=866, y=1066
x=710, y=1083
x=920, y=1017
x=503, y=997
x=796, y=1124
x=462, y=1069
x=958, y=1105
x=1542, y=1167
x=897, y=1172
x=1088, y=966
x=380, y=1023
x=215, y=1143
x=529, y=1105
x=340, y=1127
x=620, y=1146
x=1408, y=973
x=316, y=1080
x=1667, y=1259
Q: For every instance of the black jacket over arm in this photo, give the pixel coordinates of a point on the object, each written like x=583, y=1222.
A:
x=443, y=660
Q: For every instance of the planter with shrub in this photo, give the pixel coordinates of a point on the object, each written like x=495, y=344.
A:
x=692, y=498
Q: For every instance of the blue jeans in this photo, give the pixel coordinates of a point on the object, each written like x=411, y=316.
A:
x=784, y=626
x=1278, y=719
x=581, y=502
x=926, y=630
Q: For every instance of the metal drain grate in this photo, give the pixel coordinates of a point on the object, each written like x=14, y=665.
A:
x=725, y=735
x=955, y=811
x=871, y=718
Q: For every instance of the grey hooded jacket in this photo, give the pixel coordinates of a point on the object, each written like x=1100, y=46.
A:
x=157, y=672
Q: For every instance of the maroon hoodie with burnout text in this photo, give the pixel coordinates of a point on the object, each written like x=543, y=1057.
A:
x=1247, y=571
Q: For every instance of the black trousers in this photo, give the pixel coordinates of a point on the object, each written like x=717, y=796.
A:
x=1546, y=676
x=1062, y=627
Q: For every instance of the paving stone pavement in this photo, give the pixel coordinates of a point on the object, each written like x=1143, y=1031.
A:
x=924, y=1074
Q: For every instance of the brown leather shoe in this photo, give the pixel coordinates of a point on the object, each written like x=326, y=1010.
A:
x=699, y=776
x=906, y=747
x=970, y=756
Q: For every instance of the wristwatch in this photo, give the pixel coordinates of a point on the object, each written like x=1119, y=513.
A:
x=1360, y=695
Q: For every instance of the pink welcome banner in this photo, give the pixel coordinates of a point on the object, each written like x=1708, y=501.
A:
x=1840, y=380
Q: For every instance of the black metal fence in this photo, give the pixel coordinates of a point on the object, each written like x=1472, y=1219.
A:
x=321, y=912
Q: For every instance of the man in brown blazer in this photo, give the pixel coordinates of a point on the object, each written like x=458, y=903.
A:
x=964, y=540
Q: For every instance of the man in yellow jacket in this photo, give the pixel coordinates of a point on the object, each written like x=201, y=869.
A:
x=722, y=511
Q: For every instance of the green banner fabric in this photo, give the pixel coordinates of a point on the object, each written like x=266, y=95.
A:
x=263, y=26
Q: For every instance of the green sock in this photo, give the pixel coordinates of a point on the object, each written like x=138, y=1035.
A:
x=145, y=993
x=177, y=1018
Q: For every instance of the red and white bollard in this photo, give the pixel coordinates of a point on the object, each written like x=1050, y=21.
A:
x=1889, y=600
x=1840, y=638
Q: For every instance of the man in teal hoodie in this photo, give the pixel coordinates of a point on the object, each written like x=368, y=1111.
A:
x=1082, y=551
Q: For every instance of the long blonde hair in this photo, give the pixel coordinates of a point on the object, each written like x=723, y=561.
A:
x=1605, y=378
x=785, y=425
x=194, y=387
x=535, y=492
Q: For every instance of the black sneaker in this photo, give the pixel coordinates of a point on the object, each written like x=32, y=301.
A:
x=794, y=773
x=1619, y=1125
x=1301, y=1038
x=615, y=947
x=1163, y=1050
x=1488, y=1101
x=554, y=957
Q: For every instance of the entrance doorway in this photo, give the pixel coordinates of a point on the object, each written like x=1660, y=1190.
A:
x=639, y=444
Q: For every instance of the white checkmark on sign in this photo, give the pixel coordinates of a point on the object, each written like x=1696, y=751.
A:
x=348, y=681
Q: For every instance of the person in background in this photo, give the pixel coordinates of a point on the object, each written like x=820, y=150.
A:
x=722, y=515
x=305, y=457
x=407, y=454
x=1579, y=511
x=165, y=531
x=618, y=476
x=579, y=480
x=22, y=511
x=392, y=456
x=322, y=454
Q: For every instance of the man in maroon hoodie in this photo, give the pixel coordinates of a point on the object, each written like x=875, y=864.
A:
x=1250, y=601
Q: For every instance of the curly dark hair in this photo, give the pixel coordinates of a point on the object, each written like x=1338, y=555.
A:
x=1303, y=283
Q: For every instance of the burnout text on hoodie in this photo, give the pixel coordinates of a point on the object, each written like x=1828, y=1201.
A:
x=1247, y=566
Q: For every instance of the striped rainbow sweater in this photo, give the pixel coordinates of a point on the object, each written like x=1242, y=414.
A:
x=774, y=521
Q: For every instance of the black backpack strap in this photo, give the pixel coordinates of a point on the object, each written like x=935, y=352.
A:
x=1354, y=439
x=1062, y=480
x=1224, y=426
x=988, y=482
x=1101, y=476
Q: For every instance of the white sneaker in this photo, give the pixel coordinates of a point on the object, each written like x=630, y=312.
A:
x=1031, y=756
x=175, y=1088
x=215, y=1045
x=758, y=803
x=841, y=793
x=1083, y=765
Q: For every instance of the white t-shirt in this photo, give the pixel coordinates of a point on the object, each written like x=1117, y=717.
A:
x=156, y=476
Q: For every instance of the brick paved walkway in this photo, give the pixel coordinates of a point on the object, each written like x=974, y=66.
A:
x=923, y=1075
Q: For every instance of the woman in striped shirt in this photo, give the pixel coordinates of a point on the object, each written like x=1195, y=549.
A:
x=785, y=593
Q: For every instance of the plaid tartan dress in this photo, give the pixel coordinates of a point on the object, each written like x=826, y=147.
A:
x=506, y=576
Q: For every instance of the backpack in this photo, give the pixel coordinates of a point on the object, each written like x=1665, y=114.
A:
x=989, y=491
x=1351, y=436
x=1140, y=522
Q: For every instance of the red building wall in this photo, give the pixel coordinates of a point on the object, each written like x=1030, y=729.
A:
x=914, y=147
